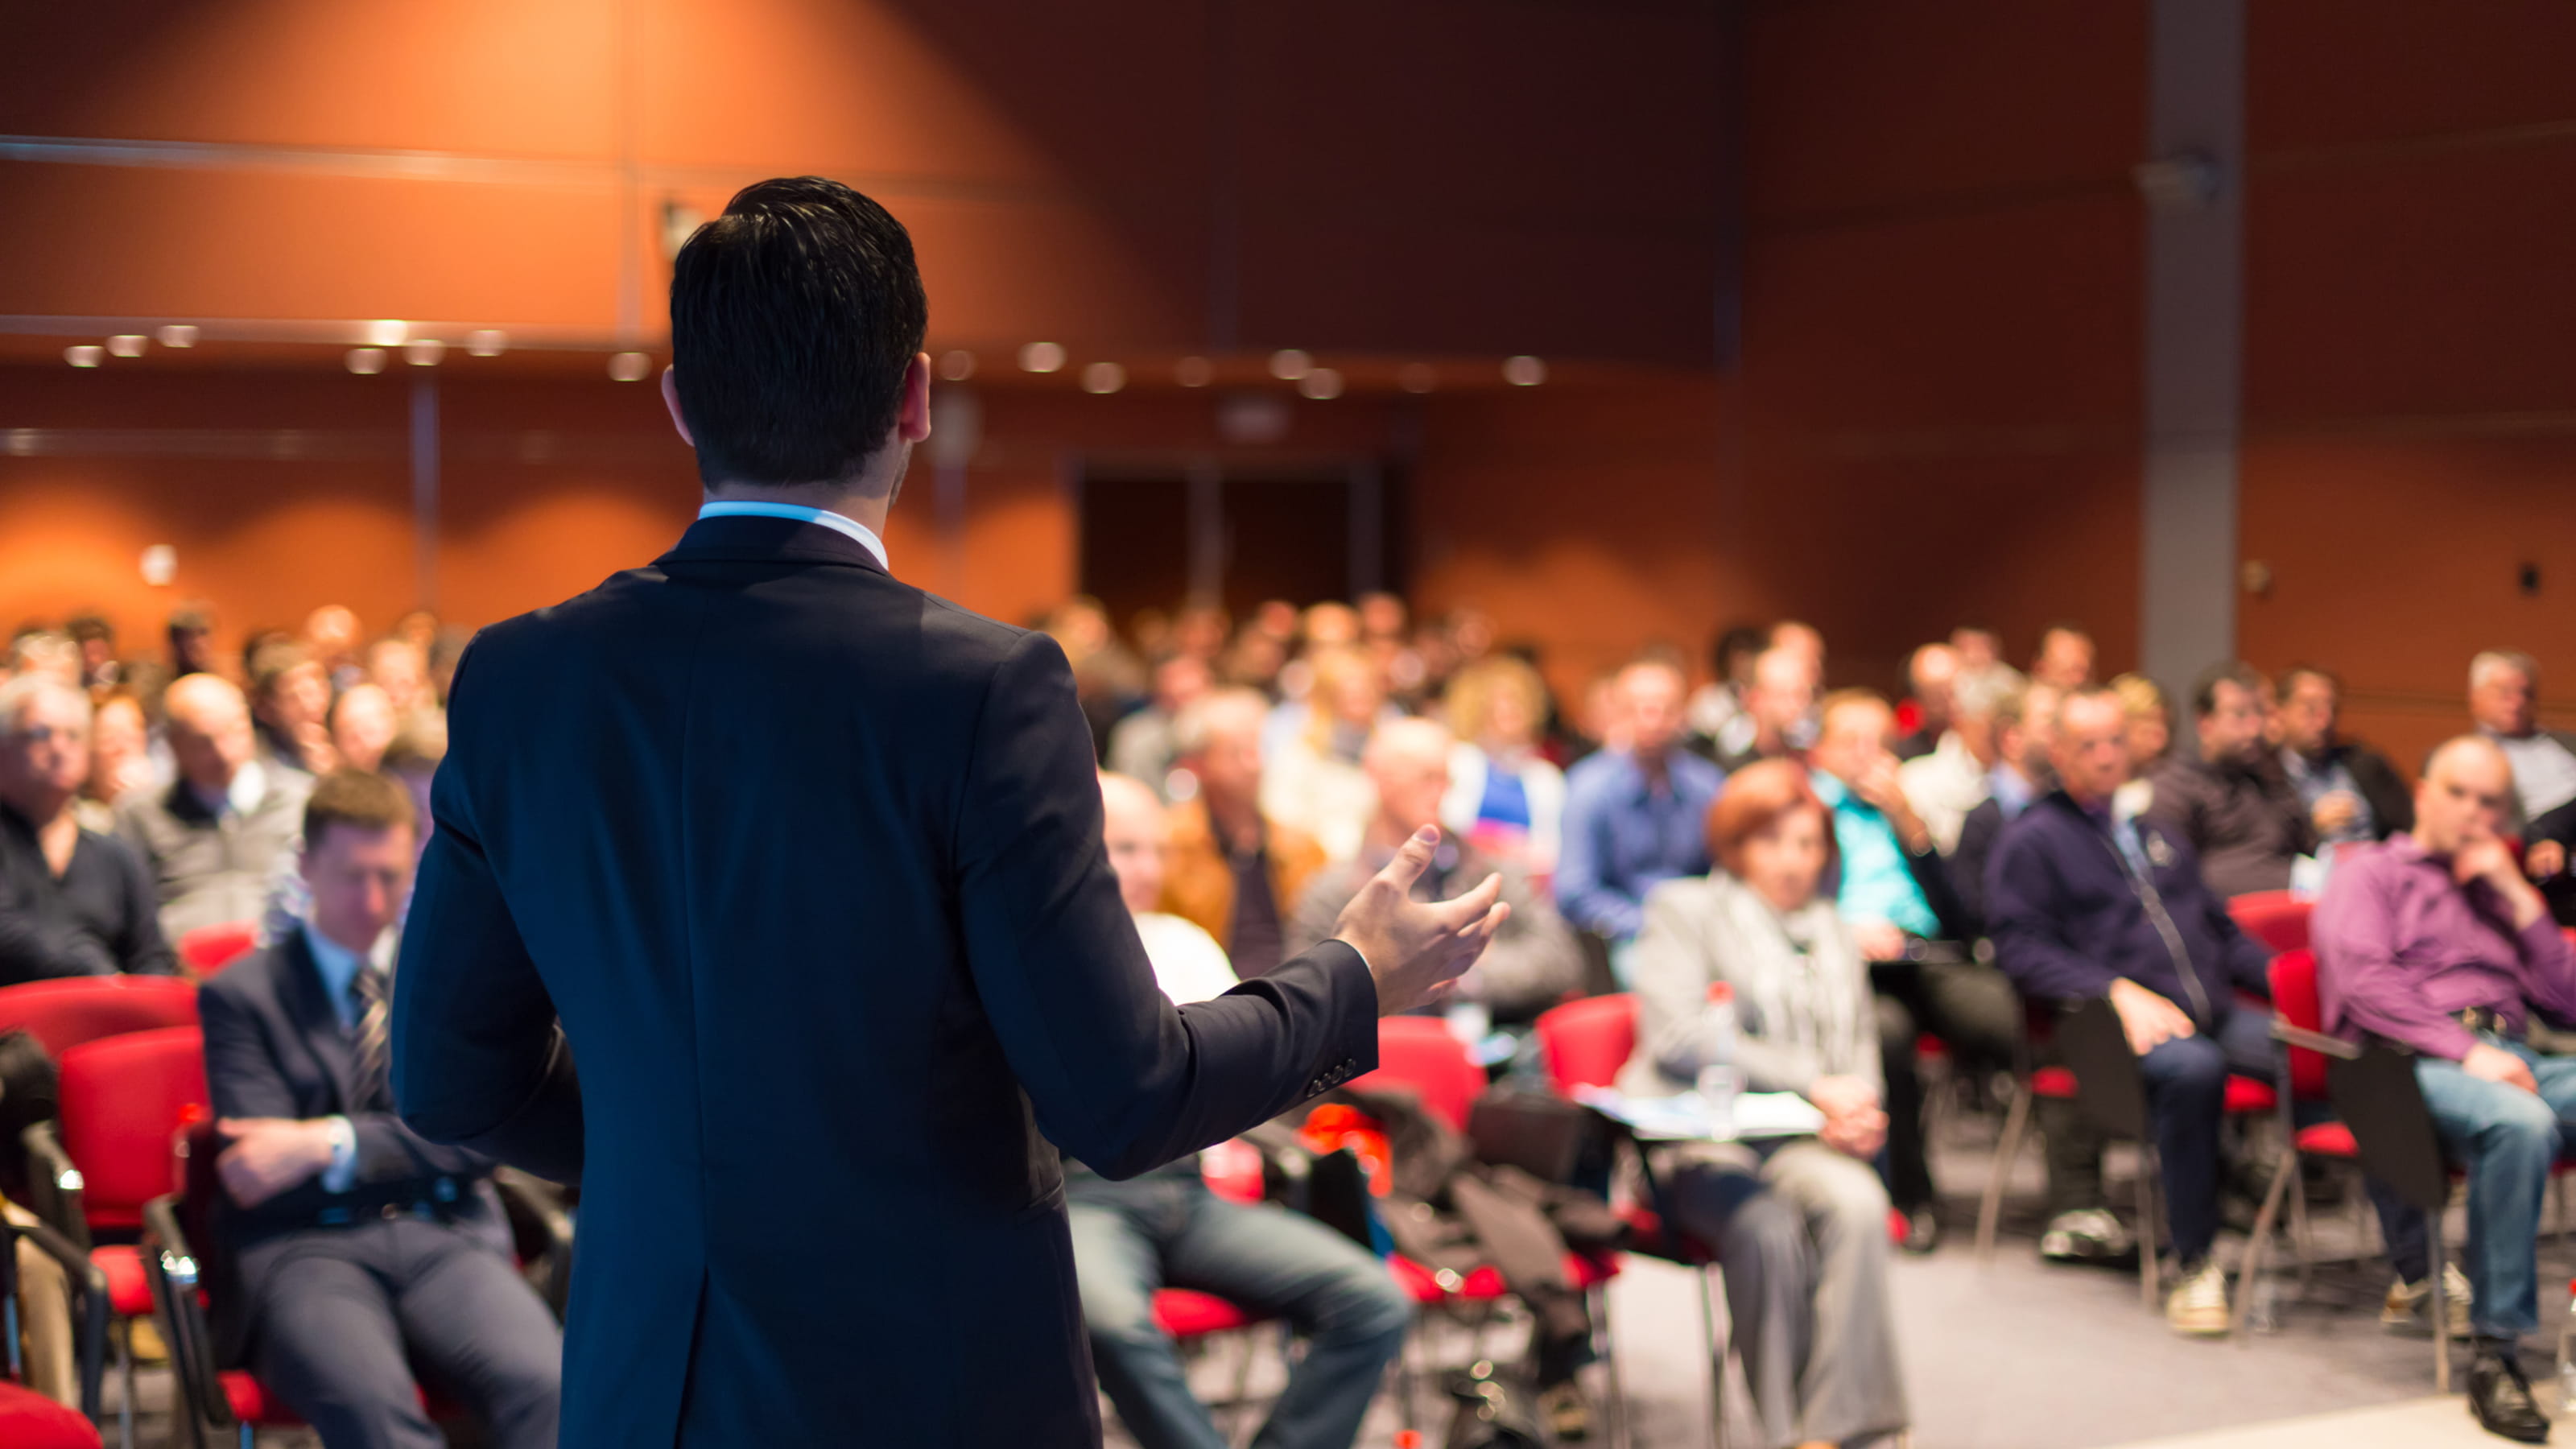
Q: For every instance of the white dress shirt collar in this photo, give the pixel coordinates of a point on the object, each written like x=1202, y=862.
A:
x=837, y=522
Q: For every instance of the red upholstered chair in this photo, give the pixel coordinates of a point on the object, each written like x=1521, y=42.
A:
x=62, y=1013
x=1585, y=1043
x=2277, y=920
x=29, y=1420
x=124, y=1097
x=209, y=949
x=1420, y=1052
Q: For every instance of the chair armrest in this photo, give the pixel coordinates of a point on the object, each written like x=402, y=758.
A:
x=172, y=1268
x=54, y=1186
x=90, y=1308
x=2315, y=1041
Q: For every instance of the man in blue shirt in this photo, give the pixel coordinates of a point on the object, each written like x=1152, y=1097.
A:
x=1898, y=898
x=1635, y=815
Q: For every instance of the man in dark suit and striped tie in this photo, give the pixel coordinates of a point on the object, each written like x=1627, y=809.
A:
x=363, y=1250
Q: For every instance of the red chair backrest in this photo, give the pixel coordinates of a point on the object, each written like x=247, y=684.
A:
x=64, y=1012
x=1585, y=1043
x=2276, y=919
x=1421, y=1053
x=2294, y=996
x=123, y=1099
x=209, y=949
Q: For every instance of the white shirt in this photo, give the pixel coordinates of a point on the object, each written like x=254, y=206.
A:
x=2544, y=774
x=1943, y=787
x=1188, y=963
x=837, y=522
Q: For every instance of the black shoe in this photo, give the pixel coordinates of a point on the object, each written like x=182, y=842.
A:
x=2501, y=1398
x=1922, y=1230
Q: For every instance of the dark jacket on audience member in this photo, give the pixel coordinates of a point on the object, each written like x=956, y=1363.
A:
x=810, y=864
x=2245, y=821
x=1968, y=861
x=98, y=919
x=2068, y=916
x=2391, y=802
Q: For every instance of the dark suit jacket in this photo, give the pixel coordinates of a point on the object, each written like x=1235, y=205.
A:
x=275, y=1048
x=810, y=865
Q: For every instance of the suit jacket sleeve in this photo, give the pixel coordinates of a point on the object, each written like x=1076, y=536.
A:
x=1932, y=877
x=244, y=1079
x=478, y=1060
x=1118, y=1076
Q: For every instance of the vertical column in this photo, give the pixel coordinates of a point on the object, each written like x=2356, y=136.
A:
x=2195, y=263
x=424, y=486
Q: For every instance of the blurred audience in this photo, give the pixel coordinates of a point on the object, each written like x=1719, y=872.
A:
x=1232, y=870
x=1948, y=781
x=290, y=706
x=1719, y=724
x=1503, y=795
x=1312, y=781
x=2150, y=721
x=2234, y=805
x=1778, y=711
x=1932, y=679
x=2065, y=658
x=1634, y=815
x=2352, y=793
x=1799, y=1223
x=120, y=759
x=1140, y=746
x=363, y=722
x=331, y=637
x=73, y=902
x=2025, y=732
x=2504, y=702
x=191, y=634
x=213, y=838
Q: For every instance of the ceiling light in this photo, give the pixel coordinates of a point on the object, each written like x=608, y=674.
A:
x=1417, y=377
x=957, y=364
x=126, y=344
x=487, y=342
x=1323, y=384
x=424, y=352
x=1524, y=371
x=630, y=366
x=1193, y=372
x=1103, y=377
x=365, y=361
x=177, y=334
x=1041, y=357
x=1289, y=364
x=85, y=355
x=386, y=333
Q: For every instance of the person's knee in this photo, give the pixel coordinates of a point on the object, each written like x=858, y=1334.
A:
x=1365, y=1305
x=2189, y=1066
x=1854, y=1197
x=2522, y=1126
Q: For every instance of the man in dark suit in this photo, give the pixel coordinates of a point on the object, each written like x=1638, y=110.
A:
x=362, y=1250
x=808, y=865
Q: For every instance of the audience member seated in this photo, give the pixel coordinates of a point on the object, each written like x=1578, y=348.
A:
x=1312, y=780
x=1981, y=652
x=1165, y=1229
x=2065, y=658
x=1716, y=713
x=1633, y=815
x=1233, y=871
x=400, y=668
x=2434, y=941
x=363, y=722
x=2233, y=806
x=1947, y=781
x=2351, y=791
x=95, y=637
x=2150, y=724
x=331, y=637
x=1140, y=746
x=213, y=838
x=120, y=759
x=1799, y=1224
x=191, y=632
x=290, y=706
x=2088, y=902
x=365, y=1253
x=1895, y=893
x=72, y=902
x=1503, y=796
x=2504, y=700
x=1932, y=681
x=1533, y=962
x=1778, y=711
x=2024, y=730
x=45, y=654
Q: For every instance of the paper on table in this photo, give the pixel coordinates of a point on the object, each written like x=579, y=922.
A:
x=1684, y=1118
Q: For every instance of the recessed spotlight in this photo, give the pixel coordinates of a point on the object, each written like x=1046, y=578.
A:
x=1103, y=377
x=126, y=344
x=1323, y=384
x=1193, y=372
x=957, y=364
x=630, y=366
x=386, y=332
x=1524, y=371
x=1417, y=377
x=1041, y=357
x=86, y=355
x=177, y=334
x=1289, y=364
x=365, y=361
x=487, y=342
x=424, y=352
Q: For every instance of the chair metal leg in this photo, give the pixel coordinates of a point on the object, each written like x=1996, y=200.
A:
x=1608, y=1347
x=125, y=1375
x=2147, y=1264
x=1717, y=1347
x=2300, y=1240
x=2441, y=1311
x=1990, y=1208
x=2558, y=1185
x=2257, y=1246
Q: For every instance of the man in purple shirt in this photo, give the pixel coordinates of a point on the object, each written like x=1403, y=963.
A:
x=2436, y=942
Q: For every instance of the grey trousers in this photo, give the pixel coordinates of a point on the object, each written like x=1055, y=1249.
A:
x=1801, y=1234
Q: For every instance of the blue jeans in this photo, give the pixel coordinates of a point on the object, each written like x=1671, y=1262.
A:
x=2186, y=1080
x=1168, y=1230
x=2508, y=1139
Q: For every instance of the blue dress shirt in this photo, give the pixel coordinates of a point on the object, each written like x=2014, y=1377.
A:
x=1624, y=833
x=1877, y=883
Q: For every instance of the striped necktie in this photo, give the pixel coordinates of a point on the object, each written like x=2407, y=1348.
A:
x=373, y=992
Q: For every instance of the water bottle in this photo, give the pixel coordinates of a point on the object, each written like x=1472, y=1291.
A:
x=2567, y=1356
x=1719, y=1080
x=1470, y=1022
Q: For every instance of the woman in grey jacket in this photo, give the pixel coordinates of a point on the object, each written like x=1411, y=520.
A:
x=1800, y=1223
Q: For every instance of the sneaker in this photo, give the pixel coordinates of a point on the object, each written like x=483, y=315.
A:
x=2086, y=1235
x=2404, y=1305
x=1568, y=1417
x=2198, y=1304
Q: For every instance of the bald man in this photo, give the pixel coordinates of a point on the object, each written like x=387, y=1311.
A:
x=1534, y=960
x=2435, y=941
x=1165, y=1229
x=216, y=837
